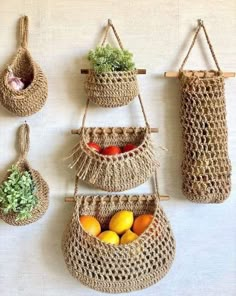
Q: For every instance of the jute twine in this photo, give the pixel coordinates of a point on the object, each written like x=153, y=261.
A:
x=123, y=268
x=42, y=190
x=112, y=89
x=206, y=166
x=31, y=99
x=117, y=172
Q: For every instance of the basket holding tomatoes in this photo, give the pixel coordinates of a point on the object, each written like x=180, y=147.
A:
x=111, y=150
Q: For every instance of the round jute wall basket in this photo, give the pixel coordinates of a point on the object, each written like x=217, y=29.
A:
x=42, y=190
x=206, y=166
x=118, y=268
x=117, y=172
x=112, y=89
x=30, y=100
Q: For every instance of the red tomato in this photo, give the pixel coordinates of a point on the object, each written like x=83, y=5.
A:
x=129, y=147
x=111, y=150
x=94, y=146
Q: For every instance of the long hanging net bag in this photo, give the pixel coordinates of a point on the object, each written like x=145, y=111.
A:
x=41, y=189
x=23, y=71
x=125, y=267
x=206, y=166
x=119, y=172
x=112, y=89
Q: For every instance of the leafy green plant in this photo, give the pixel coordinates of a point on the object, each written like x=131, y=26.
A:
x=108, y=59
x=17, y=194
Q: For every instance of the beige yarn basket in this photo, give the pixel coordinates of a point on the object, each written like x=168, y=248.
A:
x=31, y=99
x=112, y=89
x=41, y=186
x=123, y=268
x=117, y=172
x=206, y=166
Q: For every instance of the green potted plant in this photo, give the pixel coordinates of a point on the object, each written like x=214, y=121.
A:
x=112, y=82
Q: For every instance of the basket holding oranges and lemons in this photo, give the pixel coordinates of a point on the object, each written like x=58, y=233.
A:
x=123, y=227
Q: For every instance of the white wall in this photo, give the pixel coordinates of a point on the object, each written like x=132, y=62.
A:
x=158, y=33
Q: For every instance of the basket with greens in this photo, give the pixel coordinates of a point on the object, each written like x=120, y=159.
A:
x=113, y=80
x=23, y=192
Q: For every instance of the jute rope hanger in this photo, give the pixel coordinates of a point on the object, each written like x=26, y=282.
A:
x=172, y=74
x=110, y=25
x=24, y=31
x=109, y=130
x=142, y=198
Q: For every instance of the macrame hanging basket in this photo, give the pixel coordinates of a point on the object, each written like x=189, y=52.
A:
x=117, y=172
x=118, y=268
x=42, y=190
x=206, y=166
x=112, y=89
x=31, y=99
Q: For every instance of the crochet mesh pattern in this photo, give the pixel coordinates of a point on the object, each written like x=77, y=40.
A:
x=122, y=268
x=119, y=172
x=31, y=99
x=206, y=166
x=42, y=190
x=112, y=89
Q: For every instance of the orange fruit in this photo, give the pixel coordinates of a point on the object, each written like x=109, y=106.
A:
x=141, y=223
x=90, y=224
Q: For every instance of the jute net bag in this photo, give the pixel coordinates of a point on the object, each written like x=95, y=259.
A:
x=112, y=89
x=206, y=166
x=118, y=268
x=119, y=172
x=42, y=190
x=31, y=99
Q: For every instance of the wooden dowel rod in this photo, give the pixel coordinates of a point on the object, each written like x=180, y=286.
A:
x=171, y=74
x=139, y=71
x=162, y=197
x=109, y=130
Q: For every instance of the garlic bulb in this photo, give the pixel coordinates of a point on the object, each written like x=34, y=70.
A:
x=13, y=81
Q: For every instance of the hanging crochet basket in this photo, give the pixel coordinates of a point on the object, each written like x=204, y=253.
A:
x=31, y=99
x=119, y=172
x=112, y=89
x=42, y=190
x=206, y=166
x=118, y=268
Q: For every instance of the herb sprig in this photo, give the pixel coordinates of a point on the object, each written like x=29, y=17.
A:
x=18, y=194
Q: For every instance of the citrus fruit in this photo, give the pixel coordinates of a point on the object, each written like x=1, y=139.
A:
x=128, y=237
x=109, y=237
x=121, y=221
x=141, y=223
x=90, y=224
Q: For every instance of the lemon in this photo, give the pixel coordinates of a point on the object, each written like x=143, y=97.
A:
x=121, y=221
x=109, y=237
x=128, y=237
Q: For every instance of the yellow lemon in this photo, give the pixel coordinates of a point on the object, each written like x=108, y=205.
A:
x=121, y=221
x=109, y=237
x=128, y=237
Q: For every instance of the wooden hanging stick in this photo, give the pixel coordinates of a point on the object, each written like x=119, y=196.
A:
x=172, y=74
x=109, y=130
x=162, y=197
x=139, y=71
